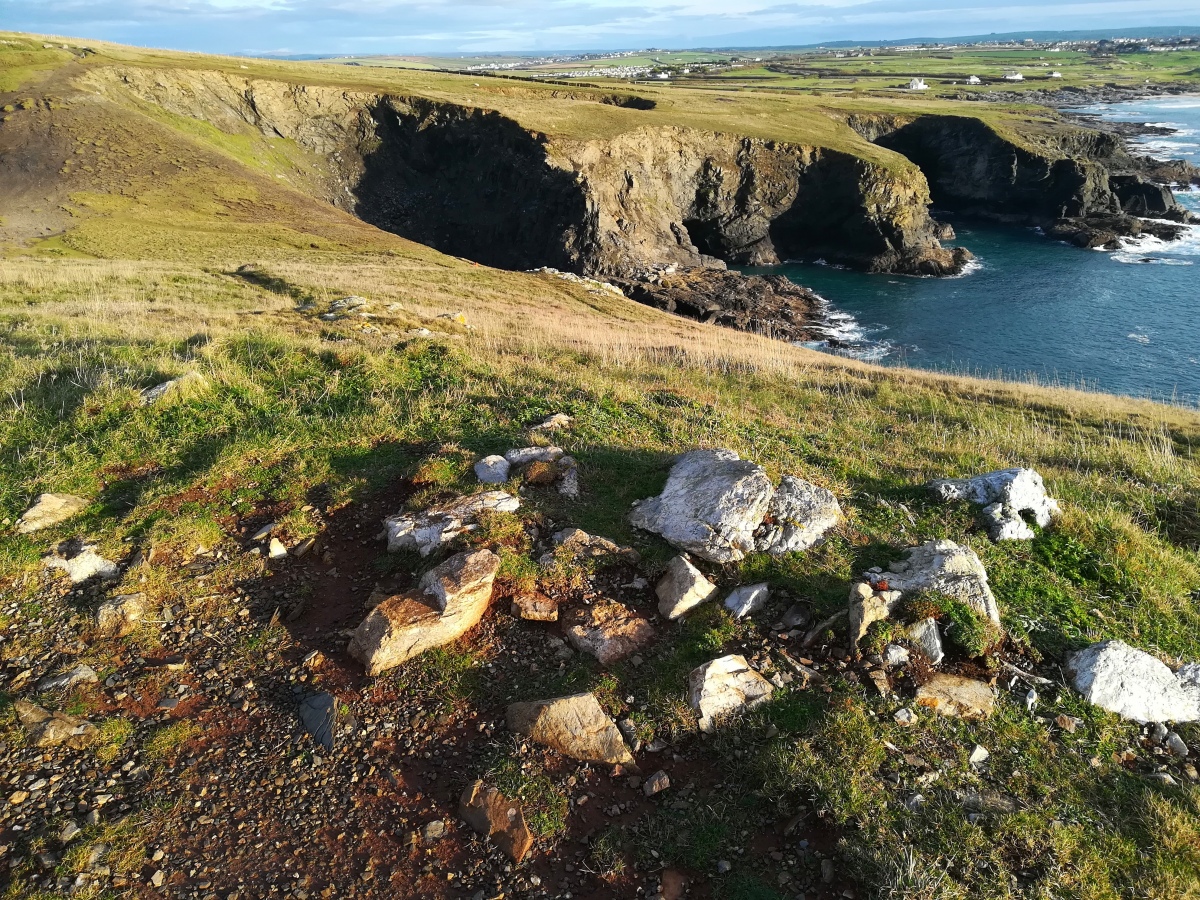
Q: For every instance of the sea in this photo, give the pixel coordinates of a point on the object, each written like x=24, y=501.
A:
x=1033, y=309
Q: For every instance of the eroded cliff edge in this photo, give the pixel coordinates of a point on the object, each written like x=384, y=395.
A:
x=1078, y=184
x=476, y=184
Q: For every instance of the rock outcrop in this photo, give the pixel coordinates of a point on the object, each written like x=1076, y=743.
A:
x=725, y=687
x=1006, y=496
x=576, y=726
x=1131, y=683
x=448, y=602
x=957, y=697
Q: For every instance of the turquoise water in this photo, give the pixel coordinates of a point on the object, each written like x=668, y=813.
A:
x=1123, y=322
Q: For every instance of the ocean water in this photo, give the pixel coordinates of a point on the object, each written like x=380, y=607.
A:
x=1125, y=322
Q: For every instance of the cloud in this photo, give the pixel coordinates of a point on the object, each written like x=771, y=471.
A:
x=441, y=26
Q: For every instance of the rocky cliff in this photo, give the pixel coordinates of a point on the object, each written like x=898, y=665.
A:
x=1078, y=181
x=477, y=184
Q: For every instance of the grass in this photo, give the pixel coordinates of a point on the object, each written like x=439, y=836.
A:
x=167, y=740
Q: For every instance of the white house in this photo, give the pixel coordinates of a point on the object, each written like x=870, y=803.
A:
x=1013, y=76
x=974, y=79
x=918, y=84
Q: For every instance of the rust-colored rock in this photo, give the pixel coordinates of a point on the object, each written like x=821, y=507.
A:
x=535, y=608
x=449, y=601
x=486, y=810
x=957, y=697
x=576, y=726
x=608, y=631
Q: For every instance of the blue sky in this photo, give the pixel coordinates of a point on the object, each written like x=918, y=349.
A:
x=470, y=26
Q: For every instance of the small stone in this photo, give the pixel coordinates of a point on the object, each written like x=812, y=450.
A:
x=1158, y=733
x=608, y=631
x=979, y=756
x=1067, y=723
x=70, y=831
x=535, y=608
x=904, y=717
x=492, y=470
x=926, y=637
x=827, y=871
x=797, y=616
x=120, y=615
x=748, y=599
x=434, y=831
x=526, y=455
x=265, y=532
x=1176, y=745
x=158, y=878
x=725, y=687
x=277, y=549
x=81, y=674
x=894, y=656
x=487, y=811
x=724, y=866
x=576, y=726
x=81, y=562
x=682, y=589
x=553, y=423
x=656, y=783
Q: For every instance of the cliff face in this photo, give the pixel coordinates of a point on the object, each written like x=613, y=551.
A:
x=474, y=183
x=1064, y=173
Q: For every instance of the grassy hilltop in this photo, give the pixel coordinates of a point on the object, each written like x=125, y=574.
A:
x=142, y=245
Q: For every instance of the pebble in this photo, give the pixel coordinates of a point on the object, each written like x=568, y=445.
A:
x=1176, y=745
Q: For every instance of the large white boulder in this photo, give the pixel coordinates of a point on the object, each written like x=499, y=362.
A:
x=711, y=505
x=1131, y=683
x=428, y=530
x=798, y=517
x=449, y=601
x=1005, y=495
x=725, y=687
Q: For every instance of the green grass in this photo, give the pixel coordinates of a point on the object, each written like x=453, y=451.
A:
x=167, y=740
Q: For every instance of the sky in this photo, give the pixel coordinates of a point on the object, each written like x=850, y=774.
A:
x=263, y=27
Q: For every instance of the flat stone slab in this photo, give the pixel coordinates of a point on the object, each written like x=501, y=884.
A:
x=495, y=817
x=576, y=726
x=946, y=568
x=47, y=729
x=1131, y=683
x=81, y=562
x=449, y=601
x=49, y=510
x=799, y=516
x=608, y=631
x=711, y=505
x=957, y=697
x=725, y=687
x=429, y=530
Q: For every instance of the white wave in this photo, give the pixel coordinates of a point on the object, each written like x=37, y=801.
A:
x=1136, y=259
x=1140, y=338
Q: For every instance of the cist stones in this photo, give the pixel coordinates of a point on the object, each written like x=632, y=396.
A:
x=747, y=599
x=576, y=726
x=48, y=510
x=492, y=470
x=711, y=505
x=81, y=562
x=925, y=637
x=554, y=422
x=868, y=605
x=725, y=687
x=608, y=631
x=534, y=607
x=426, y=531
x=957, y=697
x=1005, y=496
x=120, y=615
x=1131, y=683
x=497, y=818
x=47, y=729
x=682, y=589
x=448, y=602
x=798, y=517
x=941, y=567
